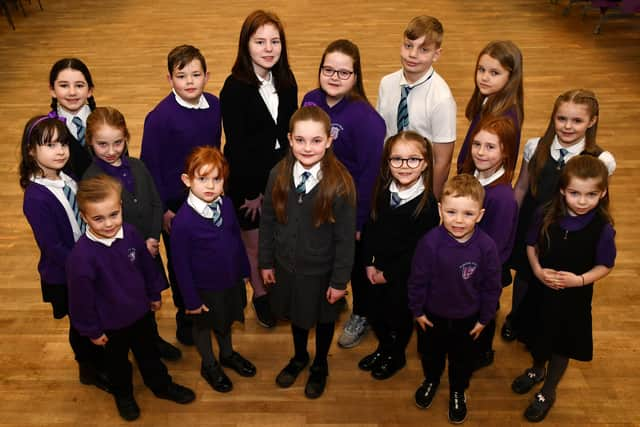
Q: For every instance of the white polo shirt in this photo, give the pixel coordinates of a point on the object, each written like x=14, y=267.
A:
x=432, y=108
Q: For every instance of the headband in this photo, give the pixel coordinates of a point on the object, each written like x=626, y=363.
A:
x=52, y=115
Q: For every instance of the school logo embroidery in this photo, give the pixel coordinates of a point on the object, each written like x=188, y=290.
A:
x=467, y=269
x=309, y=104
x=336, y=128
x=131, y=254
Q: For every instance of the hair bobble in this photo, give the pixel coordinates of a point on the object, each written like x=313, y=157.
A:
x=52, y=115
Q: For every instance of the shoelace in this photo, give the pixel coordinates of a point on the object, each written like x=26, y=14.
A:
x=457, y=399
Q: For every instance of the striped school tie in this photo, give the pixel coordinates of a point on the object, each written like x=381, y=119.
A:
x=403, y=110
x=217, y=212
x=81, y=129
x=71, y=197
x=302, y=188
x=563, y=154
x=395, y=200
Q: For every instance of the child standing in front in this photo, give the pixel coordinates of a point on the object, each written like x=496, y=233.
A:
x=211, y=264
x=108, y=139
x=50, y=207
x=114, y=286
x=358, y=134
x=570, y=248
x=417, y=98
x=404, y=210
x=306, y=242
x=257, y=99
x=571, y=131
x=454, y=289
x=71, y=87
x=498, y=91
x=187, y=118
x=492, y=159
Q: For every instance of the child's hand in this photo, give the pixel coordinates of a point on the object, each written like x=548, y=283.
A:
x=153, y=246
x=268, y=276
x=475, y=332
x=253, y=207
x=380, y=279
x=423, y=321
x=166, y=220
x=156, y=305
x=334, y=294
x=101, y=340
x=566, y=279
x=547, y=276
x=371, y=273
x=198, y=310
x=358, y=235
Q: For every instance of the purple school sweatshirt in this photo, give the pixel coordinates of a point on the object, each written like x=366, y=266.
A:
x=500, y=218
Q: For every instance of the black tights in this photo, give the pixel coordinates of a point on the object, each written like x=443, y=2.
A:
x=324, y=336
x=555, y=369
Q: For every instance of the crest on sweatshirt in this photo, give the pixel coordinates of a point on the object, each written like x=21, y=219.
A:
x=131, y=254
x=336, y=128
x=467, y=269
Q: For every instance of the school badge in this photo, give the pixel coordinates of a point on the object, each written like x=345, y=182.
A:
x=336, y=128
x=131, y=254
x=467, y=269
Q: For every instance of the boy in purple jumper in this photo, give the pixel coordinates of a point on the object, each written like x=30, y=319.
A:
x=454, y=289
x=188, y=117
x=114, y=285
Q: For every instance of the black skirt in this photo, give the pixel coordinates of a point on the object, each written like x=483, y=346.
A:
x=225, y=307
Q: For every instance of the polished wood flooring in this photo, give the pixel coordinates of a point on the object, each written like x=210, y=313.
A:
x=125, y=45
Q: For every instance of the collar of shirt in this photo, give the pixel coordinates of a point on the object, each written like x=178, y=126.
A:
x=312, y=181
x=486, y=181
x=200, y=206
x=56, y=183
x=573, y=150
x=56, y=187
x=83, y=114
x=421, y=80
x=107, y=242
x=201, y=105
x=416, y=189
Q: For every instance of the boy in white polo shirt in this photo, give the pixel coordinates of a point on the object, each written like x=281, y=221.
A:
x=418, y=99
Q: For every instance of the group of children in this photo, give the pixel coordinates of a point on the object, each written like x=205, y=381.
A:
x=304, y=201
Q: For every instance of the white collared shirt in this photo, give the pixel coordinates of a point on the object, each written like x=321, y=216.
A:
x=56, y=187
x=312, y=181
x=105, y=241
x=532, y=144
x=201, y=105
x=200, y=206
x=270, y=97
x=83, y=114
x=486, y=181
x=407, y=195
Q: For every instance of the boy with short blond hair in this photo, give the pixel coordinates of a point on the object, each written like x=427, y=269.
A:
x=454, y=289
x=417, y=98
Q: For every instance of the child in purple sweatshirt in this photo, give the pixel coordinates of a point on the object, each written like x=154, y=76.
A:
x=114, y=285
x=454, y=289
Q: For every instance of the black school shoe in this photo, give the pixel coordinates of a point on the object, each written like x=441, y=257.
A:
x=127, y=407
x=316, y=382
x=176, y=393
x=370, y=361
x=483, y=360
x=89, y=375
x=216, y=378
x=525, y=382
x=388, y=367
x=239, y=364
x=263, y=312
x=167, y=350
x=289, y=373
x=539, y=408
x=425, y=394
x=457, y=407
x=507, y=332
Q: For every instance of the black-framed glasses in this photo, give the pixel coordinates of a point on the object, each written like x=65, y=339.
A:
x=342, y=74
x=411, y=162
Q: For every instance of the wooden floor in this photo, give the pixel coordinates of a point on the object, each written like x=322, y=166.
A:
x=125, y=45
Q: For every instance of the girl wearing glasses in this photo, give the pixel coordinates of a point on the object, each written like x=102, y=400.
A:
x=404, y=209
x=358, y=133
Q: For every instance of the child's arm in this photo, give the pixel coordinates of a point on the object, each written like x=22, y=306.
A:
x=545, y=275
x=181, y=262
x=522, y=185
x=82, y=298
x=566, y=279
x=420, y=277
x=45, y=230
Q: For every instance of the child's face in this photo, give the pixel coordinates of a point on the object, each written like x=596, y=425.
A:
x=582, y=195
x=309, y=141
x=207, y=184
x=417, y=57
x=104, y=218
x=460, y=216
x=330, y=82
x=571, y=122
x=491, y=76
x=265, y=48
x=486, y=151
x=189, y=81
x=71, y=90
x=51, y=157
x=108, y=144
x=405, y=152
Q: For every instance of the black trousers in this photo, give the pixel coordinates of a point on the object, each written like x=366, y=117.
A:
x=393, y=337
x=139, y=338
x=448, y=338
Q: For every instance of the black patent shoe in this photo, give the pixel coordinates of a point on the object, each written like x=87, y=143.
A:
x=316, y=382
x=216, y=378
x=388, y=367
x=539, y=408
x=370, y=361
x=89, y=375
x=507, y=332
x=239, y=364
x=425, y=394
x=176, y=393
x=289, y=373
